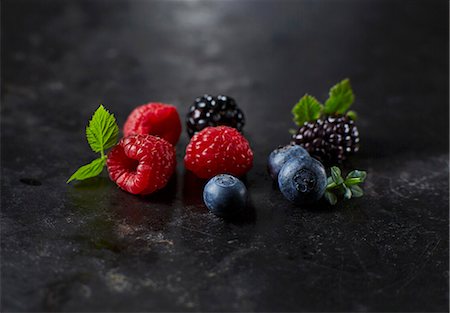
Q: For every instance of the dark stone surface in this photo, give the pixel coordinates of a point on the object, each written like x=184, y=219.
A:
x=92, y=247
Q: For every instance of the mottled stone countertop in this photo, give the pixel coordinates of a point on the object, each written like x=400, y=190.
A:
x=93, y=247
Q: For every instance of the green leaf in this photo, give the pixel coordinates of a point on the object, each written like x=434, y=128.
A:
x=356, y=191
x=352, y=115
x=347, y=192
x=307, y=109
x=89, y=170
x=340, y=99
x=330, y=197
x=329, y=180
x=336, y=175
x=357, y=174
x=348, y=188
x=352, y=181
x=102, y=131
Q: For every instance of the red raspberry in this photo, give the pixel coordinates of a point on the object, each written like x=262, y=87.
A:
x=141, y=164
x=157, y=119
x=218, y=150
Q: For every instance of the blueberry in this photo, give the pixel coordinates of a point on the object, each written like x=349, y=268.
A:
x=302, y=180
x=225, y=195
x=279, y=156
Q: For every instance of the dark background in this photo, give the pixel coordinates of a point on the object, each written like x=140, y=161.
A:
x=92, y=247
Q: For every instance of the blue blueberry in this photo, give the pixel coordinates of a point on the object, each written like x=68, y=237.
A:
x=225, y=195
x=279, y=156
x=302, y=180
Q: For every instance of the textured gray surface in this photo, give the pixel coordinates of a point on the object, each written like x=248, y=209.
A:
x=92, y=247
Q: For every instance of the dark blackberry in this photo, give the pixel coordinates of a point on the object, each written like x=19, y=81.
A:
x=213, y=111
x=330, y=139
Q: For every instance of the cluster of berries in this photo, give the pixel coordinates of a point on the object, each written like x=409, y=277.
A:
x=327, y=133
x=144, y=160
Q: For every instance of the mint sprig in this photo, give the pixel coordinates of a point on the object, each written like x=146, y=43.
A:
x=347, y=188
x=101, y=133
x=309, y=109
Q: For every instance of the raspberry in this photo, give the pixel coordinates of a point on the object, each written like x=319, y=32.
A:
x=156, y=119
x=141, y=164
x=218, y=150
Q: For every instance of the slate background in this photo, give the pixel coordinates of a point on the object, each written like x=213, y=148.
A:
x=92, y=247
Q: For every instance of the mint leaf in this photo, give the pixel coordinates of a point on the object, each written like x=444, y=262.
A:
x=347, y=193
x=329, y=180
x=336, y=175
x=352, y=181
x=89, y=170
x=307, y=109
x=357, y=174
x=102, y=131
x=356, y=191
x=340, y=99
x=330, y=197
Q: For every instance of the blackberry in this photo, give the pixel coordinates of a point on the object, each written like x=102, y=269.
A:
x=330, y=139
x=213, y=111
